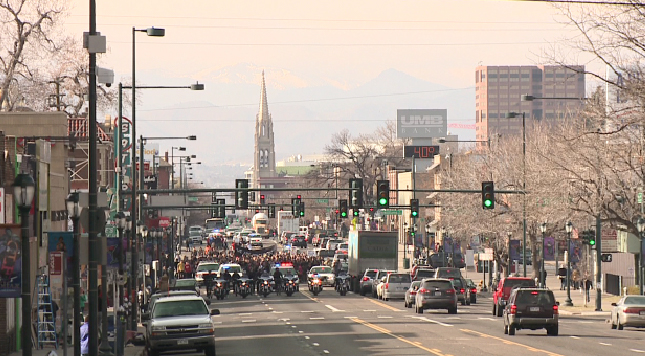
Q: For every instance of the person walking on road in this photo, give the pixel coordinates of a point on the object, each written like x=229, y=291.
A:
x=588, y=286
x=85, y=337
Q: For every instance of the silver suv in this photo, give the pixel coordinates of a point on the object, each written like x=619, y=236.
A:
x=180, y=323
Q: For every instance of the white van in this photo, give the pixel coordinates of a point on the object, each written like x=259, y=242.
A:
x=304, y=230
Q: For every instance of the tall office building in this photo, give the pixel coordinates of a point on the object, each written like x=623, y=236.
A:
x=499, y=90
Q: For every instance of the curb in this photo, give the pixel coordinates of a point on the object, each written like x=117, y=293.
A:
x=583, y=313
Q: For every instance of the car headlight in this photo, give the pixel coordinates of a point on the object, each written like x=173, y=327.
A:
x=158, y=328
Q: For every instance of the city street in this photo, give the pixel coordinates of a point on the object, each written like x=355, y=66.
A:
x=354, y=325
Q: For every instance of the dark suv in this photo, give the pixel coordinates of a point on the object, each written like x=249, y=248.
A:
x=502, y=292
x=531, y=308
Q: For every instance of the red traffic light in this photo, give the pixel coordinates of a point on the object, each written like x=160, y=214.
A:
x=337, y=211
x=262, y=196
x=299, y=196
x=371, y=210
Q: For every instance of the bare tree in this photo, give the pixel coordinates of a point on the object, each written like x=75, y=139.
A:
x=28, y=36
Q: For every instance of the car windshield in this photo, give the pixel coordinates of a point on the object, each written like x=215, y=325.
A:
x=208, y=267
x=320, y=269
x=415, y=284
x=534, y=297
x=509, y=283
x=634, y=300
x=344, y=245
x=184, y=282
x=437, y=284
x=180, y=307
x=399, y=278
x=232, y=269
x=448, y=272
x=195, y=233
x=457, y=283
x=370, y=274
x=425, y=273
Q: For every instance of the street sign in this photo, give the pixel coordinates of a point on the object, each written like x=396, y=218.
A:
x=485, y=257
x=146, y=166
x=193, y=199
x=640, y=197
x=391, y=212
x=322, y=201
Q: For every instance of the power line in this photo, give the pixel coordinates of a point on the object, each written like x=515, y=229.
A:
x=587, y=2
x=334, y=44
x=318, y=100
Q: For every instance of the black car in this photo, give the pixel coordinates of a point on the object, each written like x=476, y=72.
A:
x=299, y=240
x=531, y=308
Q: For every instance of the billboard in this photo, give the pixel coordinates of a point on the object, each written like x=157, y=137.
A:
x=10, y=261
x=411, y=123
x=62, y=241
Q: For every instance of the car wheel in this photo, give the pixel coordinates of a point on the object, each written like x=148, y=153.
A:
x=494, y=309
x=499, y=311
x=362, y=292
x=452, y=310
x=473, y=300
x=463, y=302
x=511, y=330
x=611, y=320
x=505, y=328
x=152, y=352
x=552, y=331
x=210, y=351
x=619, y=326
x=405, y=303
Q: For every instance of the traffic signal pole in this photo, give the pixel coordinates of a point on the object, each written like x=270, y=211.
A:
x=598, y=268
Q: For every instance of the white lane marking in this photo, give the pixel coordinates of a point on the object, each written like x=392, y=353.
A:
x=248, y=321
x=325, y=351
x=277, y=312
x=454, y=318
x=270, y=308
x=285, y=319
x=429, y=320
x=351, y=317
x=604, y=344
x=384, y=317
x=461, y=311
x=334, y=309
x=293, y=326
x=288, y=323
x=316, y=344
x=244, y=313
x=585, y=322
x=300, y=331
x=637, y=350
x=217, y=322
x=319, y=318
x=491, y=319
x=369, y=310
x=306, y=311
x=575, y=337
x=307, y=337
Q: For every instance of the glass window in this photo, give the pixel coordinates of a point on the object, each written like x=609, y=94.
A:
x=181, y=307
x=208, y=267
x=437, y=284
x=399, y=278
x=635, y=300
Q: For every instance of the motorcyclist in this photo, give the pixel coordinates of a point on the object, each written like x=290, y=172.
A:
x=277, y=278
x=208, y=282
x=235, y=279
x=339, y=278
x=265, y=276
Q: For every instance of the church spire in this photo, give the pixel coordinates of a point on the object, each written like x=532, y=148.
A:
x=264, y=106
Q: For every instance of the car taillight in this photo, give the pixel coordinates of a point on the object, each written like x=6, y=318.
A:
x=423, y=291
x=513, y=309
x=365, y=279
x=473, y=290
x=413, y=292
x=387, y=286
x=633, y=310
x=555, y=309
x=462, y=291
x=450, y=291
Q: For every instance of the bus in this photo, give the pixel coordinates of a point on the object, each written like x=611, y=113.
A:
x=215, y=225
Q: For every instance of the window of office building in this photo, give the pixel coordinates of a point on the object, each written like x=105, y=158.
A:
x=493, y=115
x=503, y=76
x=503, y=87
x=492, y=71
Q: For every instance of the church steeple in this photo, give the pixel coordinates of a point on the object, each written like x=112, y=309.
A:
x=264, y=160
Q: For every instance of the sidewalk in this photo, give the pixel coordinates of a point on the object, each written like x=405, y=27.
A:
x=129, y=351
x=578, y=300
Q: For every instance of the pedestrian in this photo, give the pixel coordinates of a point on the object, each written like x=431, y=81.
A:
x=85, y=337
x=562, y=275
x=83, y=300
x=588, y=286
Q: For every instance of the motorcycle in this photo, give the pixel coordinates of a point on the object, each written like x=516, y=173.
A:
x=265, y=288
x=289, y=287
x=342, y=285
x=219, y=289
x=316, y=286
x=244, y=288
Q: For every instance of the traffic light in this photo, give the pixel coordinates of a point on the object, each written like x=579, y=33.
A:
x=383, y=193
x=414, y=208
x=295, y=206
x=488, y=195
x=356, y=193
x=301, y=211
x=261, y=199
x=342, y=203
x=589, y=238
x=355, y=212
x=221, y=208
x=271, y=211
x=241, y=194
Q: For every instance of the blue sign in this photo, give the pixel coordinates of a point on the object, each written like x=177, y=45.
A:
x=62, y=241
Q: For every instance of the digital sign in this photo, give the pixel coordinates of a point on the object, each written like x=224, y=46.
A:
x=420, y=151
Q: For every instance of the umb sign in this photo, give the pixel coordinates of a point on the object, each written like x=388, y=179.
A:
x=421, y=123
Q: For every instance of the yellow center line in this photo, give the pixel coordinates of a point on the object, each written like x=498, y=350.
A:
x=436, y=352
x=383, y=305
x=508, y=342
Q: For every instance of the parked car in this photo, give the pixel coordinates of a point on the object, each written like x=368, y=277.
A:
x=411, y=294
x=531, y=308
x=502, y=291
x=629, y=311
x=436, y=293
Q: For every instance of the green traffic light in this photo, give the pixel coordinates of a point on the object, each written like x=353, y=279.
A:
x=414, y=213
x=382, y=201
x=488, y=203
x=592, y=242
x=343, y=214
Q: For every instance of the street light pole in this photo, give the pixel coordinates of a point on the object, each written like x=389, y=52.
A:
x=509, y=235
x=641, y=228
x=512, y=115
x=23, y=194
x=542, y=271
x=569, y=228
x=74, y=212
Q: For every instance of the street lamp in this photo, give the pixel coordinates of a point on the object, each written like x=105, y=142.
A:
x=569, y=227
x=130, y=245
x=74, y=213
x=509, y=235
x=641, y=228
x=172, y=163
x=512, y=115
x=542, y=271
x=23, y=194
x=487, y=142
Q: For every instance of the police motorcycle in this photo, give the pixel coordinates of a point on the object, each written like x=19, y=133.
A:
x=265, y=281
x=315, y=284
x=244, y=287
x=219, y=289
x=290, y=284
x=342, y=283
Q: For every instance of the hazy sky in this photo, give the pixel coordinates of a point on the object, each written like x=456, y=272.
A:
x=346, y=43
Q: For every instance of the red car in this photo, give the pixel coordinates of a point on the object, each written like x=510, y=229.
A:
x=502, y=292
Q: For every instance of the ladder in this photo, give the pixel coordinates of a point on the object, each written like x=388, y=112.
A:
x=45, y=327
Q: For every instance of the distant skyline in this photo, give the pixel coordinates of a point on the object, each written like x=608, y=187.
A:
x=337, y=45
